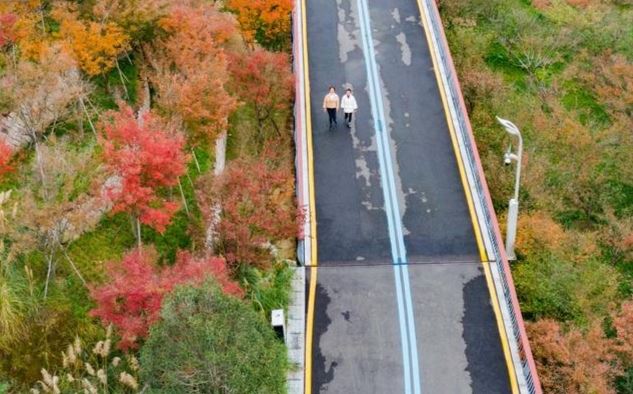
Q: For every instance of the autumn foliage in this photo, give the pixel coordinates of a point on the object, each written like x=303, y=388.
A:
x=623, y=324
x=190, y=70
x=265, y=81
x=7, y=20
x=131, y=298
x=537, y=231
x=145, y=157
x=264, y=21
x=254, y=195
x=5, y=158
x=95, y=45
x=613, y=83
x=573, y=361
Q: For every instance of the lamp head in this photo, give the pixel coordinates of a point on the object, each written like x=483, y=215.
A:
x=510, y=127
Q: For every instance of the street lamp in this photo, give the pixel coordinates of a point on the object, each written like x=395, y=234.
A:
x=513, y=206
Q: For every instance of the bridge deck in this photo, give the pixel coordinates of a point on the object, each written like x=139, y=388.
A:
x=381, y=328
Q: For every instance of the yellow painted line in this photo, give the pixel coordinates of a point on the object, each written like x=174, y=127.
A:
x=313, y=233
x=473, y=215
x=306, y=80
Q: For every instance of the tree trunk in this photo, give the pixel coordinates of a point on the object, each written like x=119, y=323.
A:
x=220, y=154
x=49, y=273
x=216, y=209
x=147, y=98
x=138, y=232
x=123, y=79
x=195, y=159
x=182, y=194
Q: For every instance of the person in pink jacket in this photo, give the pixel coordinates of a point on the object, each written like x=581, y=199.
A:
x=331, y=105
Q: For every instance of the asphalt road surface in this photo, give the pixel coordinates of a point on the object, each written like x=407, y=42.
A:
x=401, y=304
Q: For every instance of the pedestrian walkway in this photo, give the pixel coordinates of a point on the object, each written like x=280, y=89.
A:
x=399, y=285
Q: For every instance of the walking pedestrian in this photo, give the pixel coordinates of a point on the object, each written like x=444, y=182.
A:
x=331, y=104
x=349, y=106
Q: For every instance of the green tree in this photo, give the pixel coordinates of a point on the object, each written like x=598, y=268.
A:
x=209, y=342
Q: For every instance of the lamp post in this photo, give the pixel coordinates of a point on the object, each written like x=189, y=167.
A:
x=513, y=206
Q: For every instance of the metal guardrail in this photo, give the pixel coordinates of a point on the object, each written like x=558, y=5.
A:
x=302, y=187
x=491, y=226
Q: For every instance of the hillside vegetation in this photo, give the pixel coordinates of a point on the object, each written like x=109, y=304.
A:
x=133, y=165
x=562, y=70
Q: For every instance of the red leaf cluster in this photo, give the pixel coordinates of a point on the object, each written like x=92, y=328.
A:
x=131, y=299
x=264, y=79
x=5, y=158
x=146, y=157
x=258, y=209
x=7, y=21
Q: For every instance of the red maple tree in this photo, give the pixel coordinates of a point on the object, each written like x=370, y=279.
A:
x=265, y=81
x=257, y=199
x=132, y=297
x=5, y=158
x=145, y=157
x=7, y=21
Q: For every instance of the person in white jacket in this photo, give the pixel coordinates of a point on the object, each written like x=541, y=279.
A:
x=349, y=106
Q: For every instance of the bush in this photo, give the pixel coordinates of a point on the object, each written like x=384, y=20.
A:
x=131, y=300
x=566, y=291
x=572, y=361
x=209, y=342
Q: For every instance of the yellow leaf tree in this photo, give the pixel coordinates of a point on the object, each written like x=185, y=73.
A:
x=95, y=45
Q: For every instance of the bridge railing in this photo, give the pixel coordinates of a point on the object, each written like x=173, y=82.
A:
x=490, y=225
x=299, y=113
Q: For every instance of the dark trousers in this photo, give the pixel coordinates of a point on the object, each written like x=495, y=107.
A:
x=348, y=117
x=332, y=114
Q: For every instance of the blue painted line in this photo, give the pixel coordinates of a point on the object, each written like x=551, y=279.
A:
x=401, y=272
x=404, y=340
x=411, y=323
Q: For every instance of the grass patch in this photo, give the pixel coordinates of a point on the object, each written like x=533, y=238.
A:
x=102, y=96
x=620, y=196
x=178, y=235
x=578, y=98
x=499, y=59
x=108, y=242
x=267, y=290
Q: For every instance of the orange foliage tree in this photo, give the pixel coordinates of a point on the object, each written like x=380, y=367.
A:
x=537, y=231
x=22, y=24
x=190, y=70
x=95, y=45
x=264, y=21
x=139, y=18
x=264, y=80
x=257, y=210
x=612, y=80
x=572, y=362
x=623, y=324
